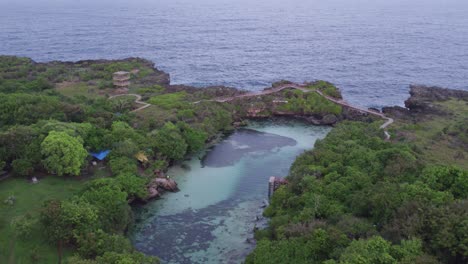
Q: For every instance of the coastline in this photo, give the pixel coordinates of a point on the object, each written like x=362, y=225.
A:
x=79, y=100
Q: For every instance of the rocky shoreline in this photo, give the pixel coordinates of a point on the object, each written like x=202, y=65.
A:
x=422, y=99
x=252, y=108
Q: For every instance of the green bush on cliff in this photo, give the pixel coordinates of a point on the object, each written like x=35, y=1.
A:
x=326, y=88
x=170, y=101
x=309, y=104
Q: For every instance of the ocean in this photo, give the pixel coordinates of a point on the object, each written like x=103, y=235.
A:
x=371, y=49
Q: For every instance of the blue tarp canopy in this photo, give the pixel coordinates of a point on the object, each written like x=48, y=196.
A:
x=100, y=155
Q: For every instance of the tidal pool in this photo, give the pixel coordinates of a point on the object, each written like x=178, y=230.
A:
x=211, y=219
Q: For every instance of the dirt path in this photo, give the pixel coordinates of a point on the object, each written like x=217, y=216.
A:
x=267, y=91
x=375, y=113
x=305, y=90
x=263, y=92
x=137, y=100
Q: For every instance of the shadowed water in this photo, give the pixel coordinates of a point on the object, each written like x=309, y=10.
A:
x=372, y=49
x=211, y=219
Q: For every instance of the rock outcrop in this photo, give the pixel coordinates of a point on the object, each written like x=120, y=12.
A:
x=422, y=97
x=159, y=185
x=166, y=184
x=423, y=100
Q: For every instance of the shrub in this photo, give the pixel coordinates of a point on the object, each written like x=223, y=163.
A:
x=170, y=101
x=23, y=226
x=97, y=243
x=22, y=167
x=123, y=165
x=169, y=142
x=133, y=185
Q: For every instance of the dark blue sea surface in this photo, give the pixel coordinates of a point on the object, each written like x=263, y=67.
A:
x=372, y=49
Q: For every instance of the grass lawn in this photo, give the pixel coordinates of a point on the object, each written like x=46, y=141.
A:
x=29, y=199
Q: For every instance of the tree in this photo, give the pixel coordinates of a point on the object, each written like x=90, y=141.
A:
x=106, y=195
x=23, y=225
x=447, y=178
x=21, y=142
x=126, y=258
x=314, y=248
x=22, y=167
x=62, y=153
x=194, y=138
x=93, y=244
x=126, y=148
x=63, y=222
x=53, y=224
x=169, y=142
x=25, y=109
x=123, y=165
x=133, y=185
x=2, y=164
x=122, y=131
x=375, y=250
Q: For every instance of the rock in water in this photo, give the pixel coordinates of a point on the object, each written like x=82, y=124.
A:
x=166, y=184
x=152, y=193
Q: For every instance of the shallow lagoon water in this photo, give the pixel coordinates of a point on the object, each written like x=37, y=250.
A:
x=221, y=197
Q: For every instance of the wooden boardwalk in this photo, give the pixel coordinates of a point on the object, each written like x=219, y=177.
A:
x=266, y=91
x=304, y=89
x=137, y=100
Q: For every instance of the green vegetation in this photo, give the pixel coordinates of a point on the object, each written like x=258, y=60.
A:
x=51, y=116
x=309, y=104
x=326, y=88
x=170, y=101
x=63, y=153
x=29, y=243
x=440, y=138
x=94, y=220
x=355, y=198
x=359, y=199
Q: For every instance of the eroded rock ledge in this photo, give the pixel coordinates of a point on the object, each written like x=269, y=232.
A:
x=422, y=101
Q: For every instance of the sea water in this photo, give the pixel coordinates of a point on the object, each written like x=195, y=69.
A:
x=372, y=49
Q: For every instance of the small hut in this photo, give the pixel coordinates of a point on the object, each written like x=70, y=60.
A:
x=121, y=79
x=141, y=157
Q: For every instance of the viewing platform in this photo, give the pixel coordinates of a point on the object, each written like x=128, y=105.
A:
x=121, y=79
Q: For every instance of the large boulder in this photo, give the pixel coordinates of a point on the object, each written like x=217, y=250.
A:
x=153, y=193
x=396, y=112
x=166, y=184
x=329, y=119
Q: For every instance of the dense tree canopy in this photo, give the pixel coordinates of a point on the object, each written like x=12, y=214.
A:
x=63, y=154
x=169, y=142
x=370, y=200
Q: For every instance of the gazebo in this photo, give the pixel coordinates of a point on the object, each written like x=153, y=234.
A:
x=121, y=79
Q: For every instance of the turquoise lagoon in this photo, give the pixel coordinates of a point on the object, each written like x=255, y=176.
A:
x=222, y=194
